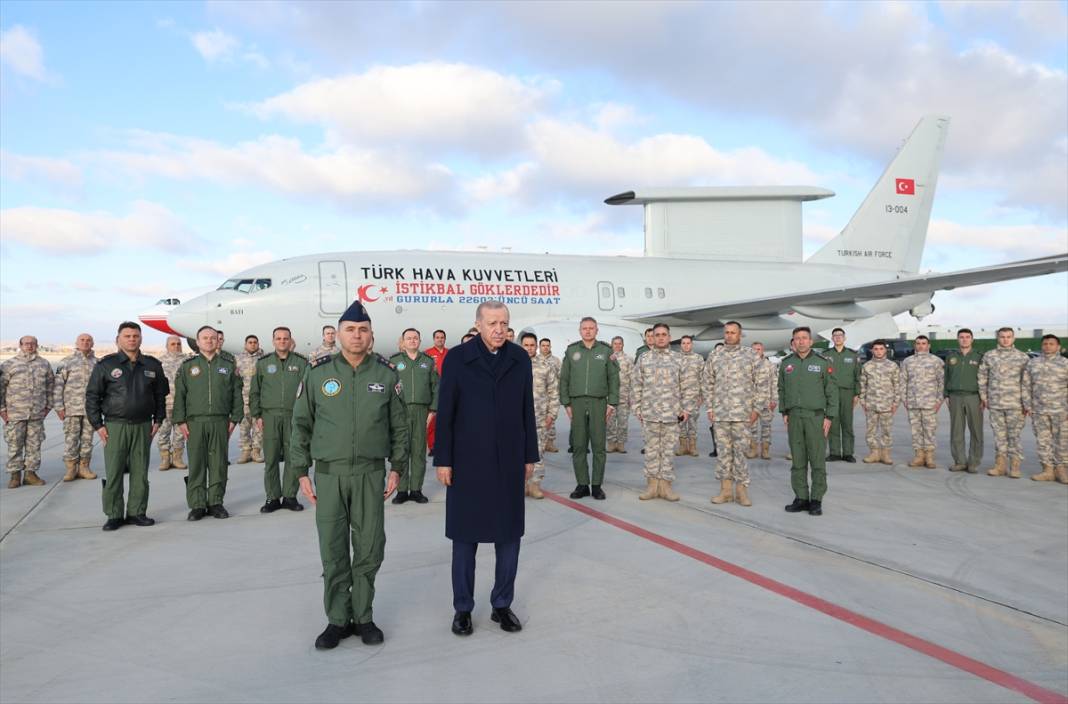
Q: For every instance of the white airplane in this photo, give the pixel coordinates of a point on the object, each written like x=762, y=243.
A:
x=156, y=316
x=711, y=255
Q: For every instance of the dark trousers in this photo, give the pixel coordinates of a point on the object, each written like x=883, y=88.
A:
x=463, y=575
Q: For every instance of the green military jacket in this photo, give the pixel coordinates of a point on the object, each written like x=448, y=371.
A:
x=203, y=388
x=419, y=378
x=345, y=415
x=641, y=350
x=589, y=372
x=274, y=385
x=806, y=384
x=845, y=368
x=962, y=372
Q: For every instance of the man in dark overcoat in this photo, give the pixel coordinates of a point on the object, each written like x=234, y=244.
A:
x=485, y=450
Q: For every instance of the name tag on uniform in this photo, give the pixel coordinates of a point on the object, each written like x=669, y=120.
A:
x=292, y=368
x=847, y=360
x=598, y=356
x=150, y=374
x=376, y=388
x=224, y=370
x=423, y=365
x=815, y=368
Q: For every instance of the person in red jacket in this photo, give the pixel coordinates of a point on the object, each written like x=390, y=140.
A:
x=437, y=353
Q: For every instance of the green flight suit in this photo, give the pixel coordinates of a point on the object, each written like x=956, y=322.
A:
x=962, y=391
x=589, y=383
x=807, y=395
x=126, y=450
x=207, y=398
x=419, y=386
x=845, y=370
x=347, y=421
x=270, y=397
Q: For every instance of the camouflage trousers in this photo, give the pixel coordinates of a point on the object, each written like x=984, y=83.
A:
x=1051, y=434
x=169, y=438
x=732, y=440
x=878, y=431
x=1007, y=426
x=923, y=422
x=543, y=440
x=24, y=438
x=77, y=439
x=249, y=436
x=760, y=432
x=550, y=435
x=616, y=431
x=660, y=441
x=688, y=428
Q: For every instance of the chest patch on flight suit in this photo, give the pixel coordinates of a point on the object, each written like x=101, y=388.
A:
x=150, y=374
x=422, y=365
x=224, y=371
x=598, y=356
x=331, y=387
x=194, y=371
x=815, y=368
x=375, y=388
x=830, y=370
x=789, y=368
x=400, y=366
x=953, y=360
x=116, y=373
x=576, y=356
x=271, y=369
x=847, y=360
x=292, y=368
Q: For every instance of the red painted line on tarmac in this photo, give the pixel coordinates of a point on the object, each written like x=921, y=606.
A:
x=933, y=650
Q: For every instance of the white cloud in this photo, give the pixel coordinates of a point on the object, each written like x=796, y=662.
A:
x=1010, y=242
x=450, y=106
x=22, y=53
x=234, y=262
x=18, y=167
x=148, y=225
x=215, y=45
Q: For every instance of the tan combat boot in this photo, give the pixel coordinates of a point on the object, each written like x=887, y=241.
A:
x=666, y=491
x=741, y=492
x=1061, y=471
x=84, y=472
x=929, y=460
x=1014, y=470
x=765, y=451
x=551, y=447
x=919, y=460
x=245, y=458
x=652, y=489
x=751, y=453
x=72, y=471
x=682, y=448
x=999, y=467
x=257, y=455
x=164, y=460
x=16, y=480
x=534, y=490
x=1047, y=474
x=693, y=447
x=884, y=456
x=726, y=492
x=872, y=457
x=176, y=461
x=30, y=478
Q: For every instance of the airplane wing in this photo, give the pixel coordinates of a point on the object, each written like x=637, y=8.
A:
x=847, y=302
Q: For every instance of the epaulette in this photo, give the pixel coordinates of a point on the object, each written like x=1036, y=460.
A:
x=320, y=360
x=382, y=360
x=187, y=360
x=298, y=354
x=113, y=355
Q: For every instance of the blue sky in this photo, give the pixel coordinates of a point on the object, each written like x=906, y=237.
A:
x=149, y=148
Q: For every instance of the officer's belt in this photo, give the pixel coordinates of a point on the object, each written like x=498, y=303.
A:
x=961, y=392
x=362, y=466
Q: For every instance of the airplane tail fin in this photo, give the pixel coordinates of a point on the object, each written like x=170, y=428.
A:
x=889, y=229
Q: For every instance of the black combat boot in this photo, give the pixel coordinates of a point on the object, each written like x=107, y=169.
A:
x=141, y=520
x=218, y=511
x=797, y=506
x=417, y=497
x=292, y=504
x=329, y=638
x=597, y=492
x=401, y=497
x=369, y=633
x=580, y=491
x=113, y=524
x=815, y=508
x=196, y=514
x=271, y=506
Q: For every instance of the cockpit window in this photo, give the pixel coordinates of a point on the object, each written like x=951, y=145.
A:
x=262, y=284
x=230, y=285
x=245, y=285
x=168, y=302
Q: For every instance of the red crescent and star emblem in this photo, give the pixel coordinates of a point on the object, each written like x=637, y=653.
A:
x=363, y=295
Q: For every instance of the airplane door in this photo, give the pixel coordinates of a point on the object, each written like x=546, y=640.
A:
x=606, y=295
x=333, y=287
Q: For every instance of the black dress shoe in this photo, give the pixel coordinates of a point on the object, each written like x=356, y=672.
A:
x=580, y=491
x=815, y=508
x=417, y=497
x=218, y=511
x=369, y=633
x=834, y=458
x=597, y=493
x=643, y=450
x=508, y=620
x=797, y=506
x=850, y=458
x=141, y=520
x=461, y=623
x=329, y=638
x=113, y=524
x=401, y=497
x=271, y=506
x=196, y=514
x=292, y=504
x=713, y=454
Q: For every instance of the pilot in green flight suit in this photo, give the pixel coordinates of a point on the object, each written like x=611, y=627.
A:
x=348, y=418
x=419, y=383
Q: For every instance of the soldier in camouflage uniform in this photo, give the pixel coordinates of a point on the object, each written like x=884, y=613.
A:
x=170, y=441
x=546, y=401
x=1001, y=392
x=879, y=391
x=922, y=390
x=1045, y=382
x=68, y=398
x=249, y=435
x=692, y=364
x=329, y=346
x=617, y=424
x=545, y=347
x=767, y=399
x=660, y=401
x=729, y=383
x=26, y=382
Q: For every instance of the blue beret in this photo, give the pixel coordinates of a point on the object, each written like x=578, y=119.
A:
x=356, y=313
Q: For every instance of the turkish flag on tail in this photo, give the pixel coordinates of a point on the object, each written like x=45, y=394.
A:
x=906, y=187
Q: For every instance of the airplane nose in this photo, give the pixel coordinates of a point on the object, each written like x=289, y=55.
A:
x=187, y=318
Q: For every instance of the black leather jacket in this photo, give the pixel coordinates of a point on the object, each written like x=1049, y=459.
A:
x=131, y=392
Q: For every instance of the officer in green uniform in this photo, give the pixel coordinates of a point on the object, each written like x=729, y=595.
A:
x=808, y=401
x=646, y=347
x=223, y=353
x=270, y=401
x=348, y=418
x=962, y=390
x=419, y=380
x=589, y=392
x=207, y=406
x=846, y=374
x=125, y=402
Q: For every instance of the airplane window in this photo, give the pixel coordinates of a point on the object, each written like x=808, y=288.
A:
x=660, y=293
x=230, y=285
x=648, y=292
x=162, y=302
x=606, y=292
x=621, y=292
x=246, y=285
x=262, y=284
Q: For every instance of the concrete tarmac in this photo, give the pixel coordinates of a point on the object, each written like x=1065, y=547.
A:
x=965, y=578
